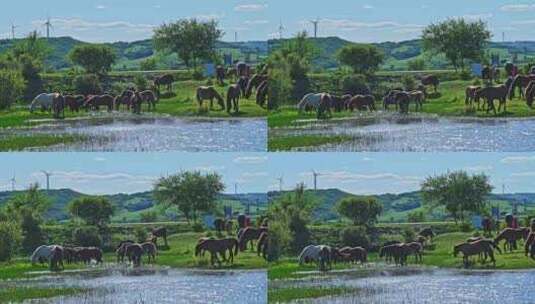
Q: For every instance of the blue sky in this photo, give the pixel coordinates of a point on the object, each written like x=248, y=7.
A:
x=108, y=173
x=378, y=173
x=356, y=20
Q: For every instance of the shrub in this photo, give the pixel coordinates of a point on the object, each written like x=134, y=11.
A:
x=11, y=87
x=278, y=239
x=409, y=83
x=148, y=64
x=87, y=237
x=87, y=84
x=354, y=236
x=355, y=84
x=141, y=82
x=10, y=237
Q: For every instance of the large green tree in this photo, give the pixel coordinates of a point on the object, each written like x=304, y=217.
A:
x=190, y=191
x=190, y=39
x=362, y=211
x=362, y=58
x=94, y=210
x=94, y=58
x=458, y=39
x=458, y=192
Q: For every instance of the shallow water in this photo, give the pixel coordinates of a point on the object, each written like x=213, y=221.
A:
x=420, y=133
x=159, y=285
x=431, y=286
x=156, y=134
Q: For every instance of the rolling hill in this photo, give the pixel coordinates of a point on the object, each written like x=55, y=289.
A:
x=397, y=206
x=129, y=206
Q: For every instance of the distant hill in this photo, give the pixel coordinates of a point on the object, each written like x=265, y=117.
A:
x=397, y=206
x=399, y=53
x=128, y=206
x=131, y=53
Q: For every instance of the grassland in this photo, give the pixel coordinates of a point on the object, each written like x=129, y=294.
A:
x=285, y=295
x=21, y=294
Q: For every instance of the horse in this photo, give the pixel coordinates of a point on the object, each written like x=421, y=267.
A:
x=210, y=93
x=262, y=245
x=242, y=69
x=94, y=102
x=521, y=82
x=219, y=225
x=415, y=248
x=431, y=80
x=390, y=99
x=147, y=96
x=217, y=247
x=125, y=98
x=530, y=93
x=166, y=80
x=398, y=252
x=403, y=101
x=233, y=98
x=511, y=235
x=41, y=253
x=220, y=74
x=474, y=248
x=243, y=81
x=58, y=106
x=121, y=250
x=45, y=101
x=340, y=102
x=427, y=233
x=489, y=242
x=354, y=255
x=418, y=98
x=311, y=100
x=161, y=232
x=74, y=102
x=134, y=253
x=56, y=258
x=324, y=108
x=69, y=255
x=486, y=223
x=470, y=96
x=529, y=247
x=149, y=248
x=242, y=219
x=320, y=254
x=262, y=94
x=254, y=83
x=362, y=102
x=249, y=234
x=232, y=73
x=86, y=254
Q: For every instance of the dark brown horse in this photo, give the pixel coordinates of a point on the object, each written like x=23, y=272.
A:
x=427, y=233
x=249, y=235
x=86, y=254
x=431, y=80
x=164, y=80
x=74, y=102
x=124, y=99
x=403, y=100
x=209, y=93
x=325, y=105
x=254, y=83
x=511, y=236
x=220, y=74
x=215, y=247
x=520, y=82
x=58, y=107
x=69, y=255
x=390, y=99
x=416, y=249
x=134, y=253
x=96, y=101
x=530, y=93
x=233, y=98
x=355, y=254
x=243, y=69
x=144, y=97
x=149, y=248
x=362, y=102
x=161, y=232
x=243, y=81
x=56, y=258
x=262, y=94
x=529, y=246
x=262, y=245
x=121, y=250
x=489, y=94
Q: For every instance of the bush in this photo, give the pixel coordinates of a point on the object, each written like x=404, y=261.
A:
x=278, y=239
x=465, y=227
x=10, y=237
x=148, y=64
x=409, y=83
x=141, y=82
x=11, y=87
x=197, y=227
x=87, y=84
x=87, y=237
x=140, y=234
x=355, y=236
x=355, y=84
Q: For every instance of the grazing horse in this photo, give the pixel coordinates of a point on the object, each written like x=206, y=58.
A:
x=398, y=252
x=242, y=83
x=121, y=250
x=529, y=246
x=217, y=247
x=427, y=233
x=242, y=69
x=56, y=258
x=530, y=93
x=134, y=253
x=390, y=99
x=320, y=254
x=74, y=102
x=520, y=82
x=69, y=255
x=86, y=254
x=45, y=101
x=160, y=232
x=431, y=80
x=324, y=108
x=511, y=235
x=355, y=254
x=249, y=234
x=254, y=83
x=340, y=102
x=42, y=253
x=418, y=98
x=474, y=248
x=403, y=101
x=124, y=99
x=220, y=74
x=362, y=102
x=58, y=107
x=415, y=248
x=233, y=98
x=96, y=101
x=166, y=80
x=210, y=93
x=311, y=100
x=470, y=96
x=262, y=93
x=489, y=94
x=147, y=96
x=262, y=245
x=149, y=248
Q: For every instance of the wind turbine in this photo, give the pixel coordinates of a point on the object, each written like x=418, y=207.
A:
x=315, y=23
x=236, y=188
x=315, y=174
x=281, y=180
x=281, y=30
x=48, y=26
x=13, y=27
x=13, y=181
x=47, y=174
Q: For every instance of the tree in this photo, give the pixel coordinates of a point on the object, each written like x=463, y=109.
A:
x=95, y=211
x=148, y=216
x=416, y=217
x=10, y=237
x=362, y=58
x=457, y=39
x=11, y=87
x=190, y=39
x=417, y=64
x=148, y=64
x=94, y=58
x=191, y=192
x=360, y=210
x=457, y=192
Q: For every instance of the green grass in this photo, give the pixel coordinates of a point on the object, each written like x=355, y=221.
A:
x=20, y=294
x=292, y=142
x=285, y=295
x=17, y=143
x=288, y=116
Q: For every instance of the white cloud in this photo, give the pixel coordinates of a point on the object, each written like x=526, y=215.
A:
x=523, y=174
x=367, y=6
x=79, y=176
x=101, y=7
x=250, y=7
x=209, y=168
x=254, y=174
x=256, y=22
x=100, y=159
x=517, y=8
x=517, y=159
x=209, y=17
x=477, y=17
x=77, y=24
x=479, y=168
x=349, y=177
x=524, y=22
x=352, y=25
x=250, y=160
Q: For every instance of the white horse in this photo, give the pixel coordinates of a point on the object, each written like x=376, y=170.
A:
x=42, y=252
x=311, y=253
x=45, y=100
x=310, y=100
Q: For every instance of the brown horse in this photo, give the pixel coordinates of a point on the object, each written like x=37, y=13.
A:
x=96, y=101
x=220, y=74
x=403, y=100
x=530, y=93
x=262, y=245
x=134, y=253
x=324, y=108
x=418, y=98
x=147, y=96
x=243, y=69
x=58, y=107
x=475, y=248
x=431, y=80
x=210, y=93
x=341, y=103
x=397, y=252
x=149, y=248
x=124, y=99
x=511, y=236
x=74, y=102
x=489, y=94
x=262, y=93
x=529, y=247
x=86, y=254
x=121, y=250
x=233, y=98
x=254, y=83
x=164, y=80
x=362, y=102
x=249, y=235
x=56, y=258
x=416, y=249
x=160, y=232
x=355, y=254
x=390, y=99
x=243, y=81
x=69, y=255
x=427, y=233
x=216, y=247
x=520, y=82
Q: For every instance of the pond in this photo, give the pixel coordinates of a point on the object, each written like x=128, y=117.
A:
x=156, y=285
x=428, y=286
x=422, y=133
x=154, y=134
